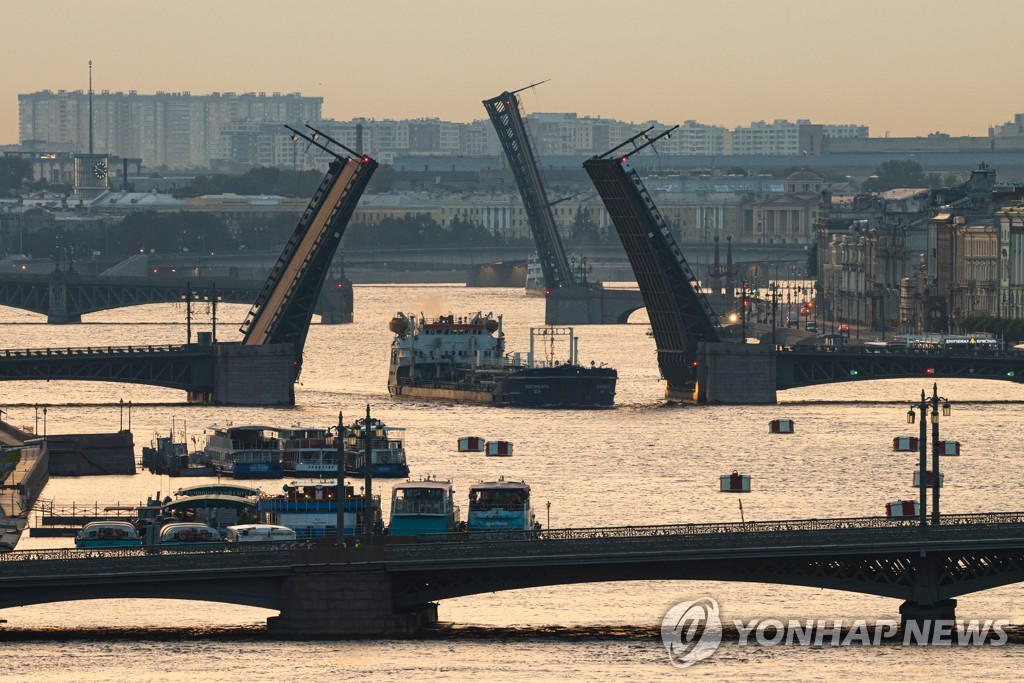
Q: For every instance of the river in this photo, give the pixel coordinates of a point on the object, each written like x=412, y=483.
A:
x=642, y=462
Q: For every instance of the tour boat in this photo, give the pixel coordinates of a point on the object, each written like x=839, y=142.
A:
x=387, y=450
x=500, y=506
x=245, y=452
x=236, y=490
x=308, y=451
x=108, y=534
x=167, y=456
x=463, y=358
x=258, y=533
x=423, y=507
x=310, y=508
x=185, y=533
x=219, y=510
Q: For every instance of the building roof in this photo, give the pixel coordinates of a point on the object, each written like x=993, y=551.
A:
x=903, y=193
x=804, y=174
x=134, y=199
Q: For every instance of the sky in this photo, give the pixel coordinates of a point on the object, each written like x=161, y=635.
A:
x=908, y=67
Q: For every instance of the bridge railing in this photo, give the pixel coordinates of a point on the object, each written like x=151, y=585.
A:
x=947, y=352
x=704, y=536
x=100, y=350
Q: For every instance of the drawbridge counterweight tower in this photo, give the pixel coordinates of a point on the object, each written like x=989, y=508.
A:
x=284, y=307
x=680, y=314
x=508, y=123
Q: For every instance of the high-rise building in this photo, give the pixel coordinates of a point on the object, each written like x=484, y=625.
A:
x=178, y=130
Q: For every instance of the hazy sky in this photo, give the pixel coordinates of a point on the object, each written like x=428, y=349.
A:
x=905, y=66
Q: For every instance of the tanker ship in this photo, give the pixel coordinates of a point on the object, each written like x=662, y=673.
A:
x=463, y=359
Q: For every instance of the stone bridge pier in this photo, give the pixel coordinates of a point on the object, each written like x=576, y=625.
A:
x=353, y=600
x=591, y=306
x=57, y=312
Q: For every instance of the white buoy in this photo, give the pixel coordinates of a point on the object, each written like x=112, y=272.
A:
x=904, y=443
x=499, y=448
x=781, y=426
x=735, y=483
x=929, y=480
x=949, y=448
x=903, y=508
x=471, y=444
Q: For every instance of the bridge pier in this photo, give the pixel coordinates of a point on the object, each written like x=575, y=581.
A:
x=57, y=312
x=737, y=374
x=591, y=305
x=921, y=616
x=339, y=600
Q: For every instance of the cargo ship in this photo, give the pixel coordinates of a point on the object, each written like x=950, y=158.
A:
x=462, y=358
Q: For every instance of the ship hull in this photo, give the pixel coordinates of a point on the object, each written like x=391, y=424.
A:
x=554, y=387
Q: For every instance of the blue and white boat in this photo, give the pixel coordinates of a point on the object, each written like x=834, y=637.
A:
x=311, y=509
x=245, y=452
x=423, y=507
x=387, y=448
x=308, y=451
x=500, y=506
x=107, y=535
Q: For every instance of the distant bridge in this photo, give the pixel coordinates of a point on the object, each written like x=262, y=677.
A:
x=389, y=589
x=64, y=297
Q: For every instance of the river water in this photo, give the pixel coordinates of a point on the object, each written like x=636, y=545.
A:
x=642, y=462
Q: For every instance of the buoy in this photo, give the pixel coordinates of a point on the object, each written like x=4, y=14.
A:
x=902, y=508
x=904, y=443
x=949, y=448
x=499, y=448
x=929, y=480
x=781, y=426
x=735, y=483
x=471, y=444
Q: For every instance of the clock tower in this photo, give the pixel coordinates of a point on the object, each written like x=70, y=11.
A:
x=91, y=170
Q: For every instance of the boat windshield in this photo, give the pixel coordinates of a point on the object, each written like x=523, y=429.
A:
x=420, y=501
x=498, y=499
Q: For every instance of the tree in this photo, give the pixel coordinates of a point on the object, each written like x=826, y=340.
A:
x=583, y=230
x=260, y=180
x=170, y=232
x=896, y=173
x=14, y=171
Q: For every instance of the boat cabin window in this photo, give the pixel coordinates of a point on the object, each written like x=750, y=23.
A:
x=491, y=499
x=418, y=501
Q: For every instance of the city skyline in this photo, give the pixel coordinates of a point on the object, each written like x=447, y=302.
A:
x=409, y=60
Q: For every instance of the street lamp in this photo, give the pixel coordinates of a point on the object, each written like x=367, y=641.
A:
x=924, y=406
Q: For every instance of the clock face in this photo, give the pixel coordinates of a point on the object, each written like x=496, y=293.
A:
x=100, y=169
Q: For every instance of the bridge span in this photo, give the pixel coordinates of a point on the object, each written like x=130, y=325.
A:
x=391, y=589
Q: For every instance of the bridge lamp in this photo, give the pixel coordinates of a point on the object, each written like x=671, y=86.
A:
x=910, y=416
x=946, y=409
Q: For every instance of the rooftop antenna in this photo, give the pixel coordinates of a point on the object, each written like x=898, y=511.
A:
x=90, y=107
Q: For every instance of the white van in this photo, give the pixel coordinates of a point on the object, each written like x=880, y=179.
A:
x=254, y=533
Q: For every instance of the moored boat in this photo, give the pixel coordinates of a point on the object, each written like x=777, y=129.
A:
x=258, y=533
x=310, y=508
x=188, y=533
x=423, y=507
x=500, y=506
x=387, y=450
x=245, y=451
x=107, y=534
x=463, y=359
x=308, y=451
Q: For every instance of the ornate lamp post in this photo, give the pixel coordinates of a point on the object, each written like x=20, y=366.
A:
x=924, y=405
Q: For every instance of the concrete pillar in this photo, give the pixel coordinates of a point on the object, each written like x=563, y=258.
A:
x=738, y=374
x=261, y=375
x=922, y=616
x=342, y=601
x=591, y=306
x=57, y=310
